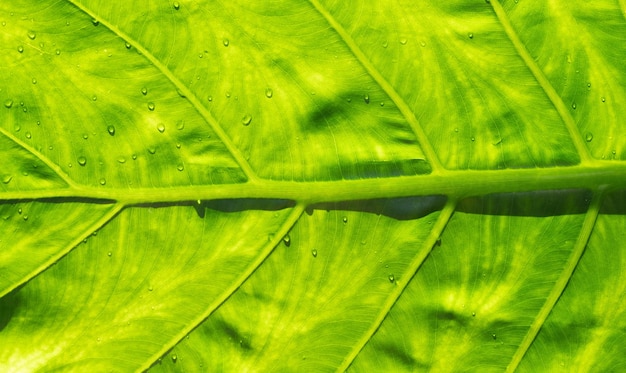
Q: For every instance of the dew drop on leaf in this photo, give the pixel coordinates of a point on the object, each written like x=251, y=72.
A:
x=28, y=135
x=345, y=220
x=151, y=106
x=589, y=136
x=127, y=45
x=470, y=35
x=176, y=5
x=392, y=278
x=95, y=22
x=121, y=160
x=7, y=179
x=103, y=181
x=366, y=98
x=161, y=127
x=82, y=160
x=174, y=358
x=226, y=42
x=180, y=167
x=403, y=41
x=109, y=253
x=20, y=49
x=8, y=104
x=574, y=106
x=603, y=99
x=180, y=125
x=34, y=81
x=269, y=93
x=246, y=120
x=111, y=129
x=152, y=150
x=314, y=253
x=287, y=240
x=144, y=91
x=32, y=35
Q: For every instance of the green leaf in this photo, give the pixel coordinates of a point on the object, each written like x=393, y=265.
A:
x=312, y=186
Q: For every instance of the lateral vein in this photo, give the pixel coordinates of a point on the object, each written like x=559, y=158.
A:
x=561, y=283
x=543, y=81
x=404, y=108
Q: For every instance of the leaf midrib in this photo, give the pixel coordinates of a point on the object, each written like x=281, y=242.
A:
x=598, y=175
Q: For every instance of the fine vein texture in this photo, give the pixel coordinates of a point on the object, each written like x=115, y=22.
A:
x=321, y=185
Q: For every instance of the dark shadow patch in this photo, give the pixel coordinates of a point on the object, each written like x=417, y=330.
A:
x=539, y=204
x=8, y=305
x=406, y=208
x=614, y=203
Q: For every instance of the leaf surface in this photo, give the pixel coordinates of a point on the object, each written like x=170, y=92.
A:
x=312, y=185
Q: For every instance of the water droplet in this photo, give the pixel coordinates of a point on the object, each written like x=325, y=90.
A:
x=314, y=253
x=94, y=98
x=287, y=240
x=151, y=106
x=34, y=81
x=366, y=98
x=589, y=136
x=152, y=150
x=28, y=135
x=111, y=129
x=345, y=220
x=226, y=42
x=103, y=181
x=7, y=179
x=176, y=5
x=438, y=242
x=178, y=145
x=470, y=35
x=95, y=22
x=246, y=120
x=121, y=160
x=127, y=45
x=493, y=336
x=473, y=138
x=174, y=358
x=109, y=253
x=210, y=98
x=32, y=35
x=269, y=93
x=180, y=167
x=423, y=43
x=574, y=106
x=392, y=278
x=180, y=125
x=385, y=44
x=161, y=127
x=150, y=288
x=58, y=51
x=603, y=99
x=20, y=49
x=144, y=91
x=134, y=156
x=227, y=94
x=8, y=104
x=403, y=41
x=473, y=314
x=25, y=217
x=82, y=160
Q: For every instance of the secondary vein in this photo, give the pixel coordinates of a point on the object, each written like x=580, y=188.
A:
x=416, y=263
x=404, y=108
x=561, y=283
x=189, y=95
x=543, y=81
